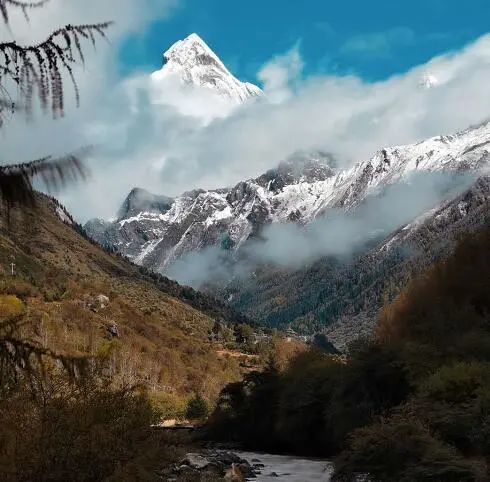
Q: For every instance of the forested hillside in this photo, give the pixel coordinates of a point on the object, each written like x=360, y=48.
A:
x=342, y=296
x=411, y=404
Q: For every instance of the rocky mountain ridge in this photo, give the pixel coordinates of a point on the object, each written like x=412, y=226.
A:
x=162, y=230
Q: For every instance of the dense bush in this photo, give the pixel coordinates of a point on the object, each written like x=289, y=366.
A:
x=197, y=408
x=18, y=288
x=72, y=433
x=168, y=405
x=10, y=307
x=402, y=449
x=244, y=409
x=455, y=403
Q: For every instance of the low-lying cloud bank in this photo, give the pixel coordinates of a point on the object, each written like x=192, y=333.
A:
x=337, y=234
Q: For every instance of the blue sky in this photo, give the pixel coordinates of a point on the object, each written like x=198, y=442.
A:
x=373, y=39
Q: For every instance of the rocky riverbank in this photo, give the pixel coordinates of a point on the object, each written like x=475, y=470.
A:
x=212, y=465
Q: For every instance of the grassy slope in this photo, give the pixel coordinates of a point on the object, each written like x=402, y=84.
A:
x=163, y=340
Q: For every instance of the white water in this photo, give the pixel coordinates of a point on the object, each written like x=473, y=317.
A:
x=288, y=469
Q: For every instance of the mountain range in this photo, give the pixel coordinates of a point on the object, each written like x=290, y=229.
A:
x=155, y=231
x=341, y=297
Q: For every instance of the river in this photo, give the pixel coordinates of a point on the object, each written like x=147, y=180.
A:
x=288, y=469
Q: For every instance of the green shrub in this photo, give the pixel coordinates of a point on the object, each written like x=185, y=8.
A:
x=54, y=294
x=456, y=383
x=243, y=333
x=197, y=408
x=168, y=405
x=402, y=449
x=455, y=403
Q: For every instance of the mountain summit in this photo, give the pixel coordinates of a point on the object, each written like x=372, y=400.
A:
x=194, y=63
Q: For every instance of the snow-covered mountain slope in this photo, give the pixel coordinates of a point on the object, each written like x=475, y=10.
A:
x=298, y=190
x=193, y=63
x=342, y=299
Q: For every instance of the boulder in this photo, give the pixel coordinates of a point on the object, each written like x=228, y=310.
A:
x=195, y=461
x=98, y=303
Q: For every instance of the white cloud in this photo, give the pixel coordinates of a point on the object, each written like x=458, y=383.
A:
x=343, y=115
x=202, y=104
x=281, y=74
x=128, y=15
x=96, y=121
x=99, y=70
x=143, y=141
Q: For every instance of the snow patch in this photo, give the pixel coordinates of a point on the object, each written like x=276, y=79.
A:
x=63, y=216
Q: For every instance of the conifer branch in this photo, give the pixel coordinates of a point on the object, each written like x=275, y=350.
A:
x=40, y=67
x=16, y=179
x=23, y=5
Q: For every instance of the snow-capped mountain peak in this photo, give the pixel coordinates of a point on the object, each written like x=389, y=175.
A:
x=191, y=52
x=194, y=63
